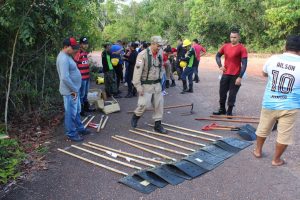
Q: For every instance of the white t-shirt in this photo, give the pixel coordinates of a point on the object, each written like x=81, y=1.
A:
x=283, y=87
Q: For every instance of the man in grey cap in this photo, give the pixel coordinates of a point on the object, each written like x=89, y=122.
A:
x=147, y=80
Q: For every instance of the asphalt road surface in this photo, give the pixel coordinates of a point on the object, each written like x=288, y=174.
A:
x=240, y=177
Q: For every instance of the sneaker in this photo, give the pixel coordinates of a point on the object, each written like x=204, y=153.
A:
x=84, y=132
x=76, y=138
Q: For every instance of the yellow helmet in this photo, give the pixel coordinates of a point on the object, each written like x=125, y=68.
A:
x=100, y=80
x=115, y=61
x=186, y=42
x=183, y=64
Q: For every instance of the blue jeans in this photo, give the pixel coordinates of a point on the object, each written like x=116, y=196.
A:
x=196, y=67
x=84, y=89
x=73, y=122
x=188, y=72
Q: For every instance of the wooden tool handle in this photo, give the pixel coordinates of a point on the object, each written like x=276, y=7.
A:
x=227, y=120
x=233, y=117
x=89, y=121
x=194, y=131
x=93, y=162
x=104, y=123
x=145, y=149
x=100, y=123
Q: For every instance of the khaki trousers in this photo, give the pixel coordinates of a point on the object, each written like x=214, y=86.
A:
x=152, y=98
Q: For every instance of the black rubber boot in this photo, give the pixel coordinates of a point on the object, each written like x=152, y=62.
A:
x=87, y=107
x=82, y=113
x=134, y=120
x=167, y=83
x=173, y=83
x=196, y=78
x=159, y=128
x=190, y=88
x=221, y=111
x=129, y=95
x=229, y=110
x=134, y=92
x=184, y=89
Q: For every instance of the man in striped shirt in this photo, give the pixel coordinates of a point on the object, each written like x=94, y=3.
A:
x=81, y=58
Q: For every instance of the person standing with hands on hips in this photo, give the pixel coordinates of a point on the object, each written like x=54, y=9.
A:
x=235, y=65
x=147, y=80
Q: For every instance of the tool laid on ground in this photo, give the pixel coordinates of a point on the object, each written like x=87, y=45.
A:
x=115, y=155
x=228, y=120
x=171, y=137
x=133, y=181
x=145, y=149
x=175, y=106
x=233, y=117
x=86, y=118
x=90, y=120
x=208, y=127
x=128, y=154
x=104, y=122
x=100, y=123
x=194, y=131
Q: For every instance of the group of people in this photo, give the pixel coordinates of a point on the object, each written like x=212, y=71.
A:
x=148, y=65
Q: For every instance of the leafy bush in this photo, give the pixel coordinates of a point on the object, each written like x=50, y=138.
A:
x=11, y=156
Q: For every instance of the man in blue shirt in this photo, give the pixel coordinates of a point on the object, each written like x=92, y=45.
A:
x=281, y=100
x=69, y=86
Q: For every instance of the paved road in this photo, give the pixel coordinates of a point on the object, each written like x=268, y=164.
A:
x=240, y=177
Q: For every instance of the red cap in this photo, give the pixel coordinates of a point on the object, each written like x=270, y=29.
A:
x=71, y=42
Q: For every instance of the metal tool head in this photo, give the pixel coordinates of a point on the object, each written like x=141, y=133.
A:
x=138, y=184
x=191, y=111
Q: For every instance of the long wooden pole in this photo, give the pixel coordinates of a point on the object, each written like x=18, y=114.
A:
x=85, y=119
x=106, y=158
x=152, y=145
x=227, y=120
x=233, y=117
x=187, y=134
x=191, y=130
x=145, y=149
x=129, y=159
x=93, y=162
x=100, y=123
x=163, y=141
x=89, y=121
x=128, y=154
x=104, y=123
x=171, y=137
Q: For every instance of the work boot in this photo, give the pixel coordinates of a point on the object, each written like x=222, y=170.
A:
x=87, y=108
x=173, y=83
x=84, y=132
x=159, y=128
x=229, y=110
x=134, y=120
x=117, y=96
x=190, y=88
x=167, y=83
x=221, y=111
x=76, y=138
x=129, y=95
x=196, y=78
x=134, y=92
x=184, y=89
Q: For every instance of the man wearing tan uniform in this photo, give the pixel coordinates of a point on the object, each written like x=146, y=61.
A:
x=147, y=80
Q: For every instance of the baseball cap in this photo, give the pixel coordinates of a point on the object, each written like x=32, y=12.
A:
x=71, y=42
x=83, y=40
x=157, y=40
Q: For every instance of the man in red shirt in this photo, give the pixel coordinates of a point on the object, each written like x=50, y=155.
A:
x=81, y=58
x=200, y=51
x=235, y=65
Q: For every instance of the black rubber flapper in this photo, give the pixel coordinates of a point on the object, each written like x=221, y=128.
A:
x=137, y=183
x=152, y=178
x=166, y=175
x=241, y=144
x=189, y=168
x=217, y=151
x=205, y=160
x=226, y=147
